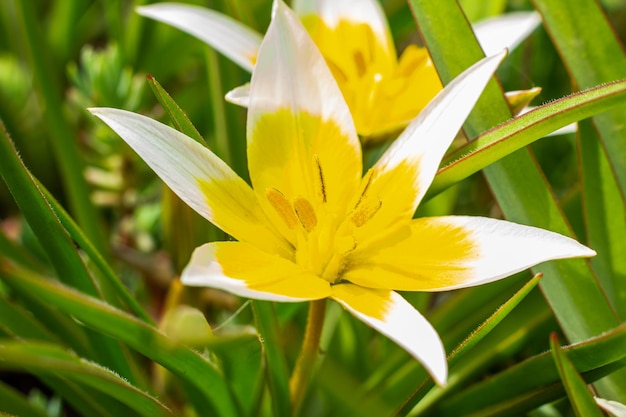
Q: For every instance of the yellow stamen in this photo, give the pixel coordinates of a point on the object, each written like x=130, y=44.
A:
x=282, y=207
x=320, y=175
x=306, y=213
x=365, y=211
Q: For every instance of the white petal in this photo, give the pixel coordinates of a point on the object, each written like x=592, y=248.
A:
x=301, y=138
x=402, y=175
x=612, y=407
x=506, y=31
x=244, y=270
x=233, y=39
x=504, y=248
x=239, y=95
x=196, y=175
x=393, y=316
x=292, y=74
x=450, y=252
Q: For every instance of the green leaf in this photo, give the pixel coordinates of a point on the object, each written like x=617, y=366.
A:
x=17, y=253
x=593, y=56
x=580, y=398
x=47, y=79
x=53, y=238
x=605, y=217
x=14, y=403
x=276, y=367
x=454, y=320
x=535, y=381
x=44, y=358
x=56, y=242
x=597, y=57
x=516, y=133
x=474, y=338
x=20, y=323
x=177, y=115
x=114, y=290
x=192, y=368
x=184, y=229
x=518, y=184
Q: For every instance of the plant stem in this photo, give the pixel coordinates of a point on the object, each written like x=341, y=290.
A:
x=308, y=355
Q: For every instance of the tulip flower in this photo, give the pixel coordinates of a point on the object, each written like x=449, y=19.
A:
x=384, y=92
x=311, y=226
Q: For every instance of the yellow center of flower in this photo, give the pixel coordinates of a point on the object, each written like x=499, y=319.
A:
x=382, y=92
x=324, y=239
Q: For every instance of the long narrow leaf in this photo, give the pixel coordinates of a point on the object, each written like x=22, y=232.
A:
x=64, y=145
x=580, y=398
x=188, y=365
x=535, y=381
x=276, y=367
x=516, y=133
x=14, y=403
x=592, y=55
x=39, y=357
x=482, y=331
x=521, y=190
x=605, y=216
x=173, y=110
x=109, y=279
x=56, y=241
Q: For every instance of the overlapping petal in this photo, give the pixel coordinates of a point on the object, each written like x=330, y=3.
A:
x=506, y=31
x=358, y=12
x=614, y=408
x=244, y=270
x=233, y=39
x=390, y=314
x=301, y=139
x=402, y=175
x=198, y=177
x=450, y=252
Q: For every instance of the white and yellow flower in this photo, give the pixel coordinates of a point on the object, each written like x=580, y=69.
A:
x=312, y=226
x=384, y=92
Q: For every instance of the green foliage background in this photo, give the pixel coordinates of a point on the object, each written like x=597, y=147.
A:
x=94, y=323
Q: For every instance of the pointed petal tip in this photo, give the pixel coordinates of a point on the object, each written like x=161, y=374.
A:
x=246, y=271
x=390, y=314
x=142, y=10
x=239, y=96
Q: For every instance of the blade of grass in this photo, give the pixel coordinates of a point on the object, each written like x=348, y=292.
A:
x=593, y=57
x=276, y=367
x=516, y=133
x=13, y=402
x=463, y=312
x=53, y=238
x=605, y=216
x=216, y=94
x=17, y=253
x=194, y=369
x=592, y=54
x=19, y=323
x=494, y=345
x=117, y=292
x=57, y=243
x=579, y=396
x=517, y=182
x=63, y=139
x=183, y=228
x=45, y=358
x=177, y=116
x=535, y=381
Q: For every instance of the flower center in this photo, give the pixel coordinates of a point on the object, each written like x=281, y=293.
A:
x=324, y=240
